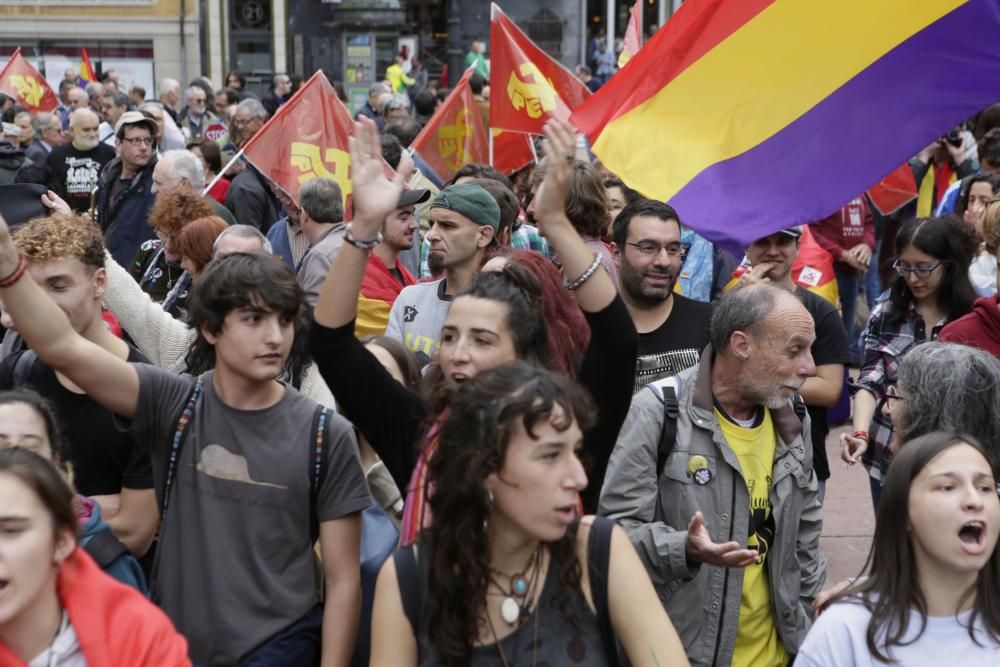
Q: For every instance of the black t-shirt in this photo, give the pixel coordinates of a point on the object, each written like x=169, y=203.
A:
x=73, y=173
x=676, y=344
x=103, y=458
x=831, y=347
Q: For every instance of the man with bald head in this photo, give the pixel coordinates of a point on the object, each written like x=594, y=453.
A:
x=73, y=167
x=712, y=478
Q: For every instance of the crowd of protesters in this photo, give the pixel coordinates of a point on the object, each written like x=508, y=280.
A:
x=507, y=419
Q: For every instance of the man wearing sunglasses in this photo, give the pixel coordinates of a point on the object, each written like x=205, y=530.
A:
x=124, y=190
x=673, y=330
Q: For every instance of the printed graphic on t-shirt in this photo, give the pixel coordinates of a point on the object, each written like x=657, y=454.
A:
x=409, y=314
x=652, y=367
x=217, y=461
x=81, y=175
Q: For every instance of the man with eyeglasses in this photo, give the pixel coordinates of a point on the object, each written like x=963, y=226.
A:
x=124, y=193
x=195, y=116
x=249, y=196
x=673, y=330
x=771, y=259
x=74, y=167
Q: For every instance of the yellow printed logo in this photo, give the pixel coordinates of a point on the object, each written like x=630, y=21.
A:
x=451, y=141
x=536, y=95
x=28, y=88
x=308, y=160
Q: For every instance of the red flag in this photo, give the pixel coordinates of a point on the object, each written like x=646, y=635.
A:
x=894, y=191
x=527, y=87
x=306, y=139
x=86, y=69
x=633, y=35
x=512, y=151
x=23, y=82
x=455, y=134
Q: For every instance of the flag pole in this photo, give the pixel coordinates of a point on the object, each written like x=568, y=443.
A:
x=490, y=130
x=223, y=171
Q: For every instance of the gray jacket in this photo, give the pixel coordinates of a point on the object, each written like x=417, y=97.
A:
x=703, y=601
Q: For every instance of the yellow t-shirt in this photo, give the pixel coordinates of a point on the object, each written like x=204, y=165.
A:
x=757, y=641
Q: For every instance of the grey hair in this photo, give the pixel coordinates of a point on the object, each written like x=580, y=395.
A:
x=253, y=107
x=94, y=89
x=243, y=231
x=193, y=89
x=169, y=86
x=741, y=309
x=43, y=122
x=118, y=98
x=950, y=387
x=279, y=78
x=398, y=101
x=378, y=89
x=185, y=164
x=322, y=200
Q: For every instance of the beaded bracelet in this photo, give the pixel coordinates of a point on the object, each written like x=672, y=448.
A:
x=585, y=276
x=362, y=244
x=861, y=435
x=9, y=281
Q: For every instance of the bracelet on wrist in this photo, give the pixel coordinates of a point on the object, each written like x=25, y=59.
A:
x=862, y=435
x=361, y=244
x=585, y=276
x=9, y=281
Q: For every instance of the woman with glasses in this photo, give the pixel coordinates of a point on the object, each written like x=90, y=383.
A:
x=931, y=289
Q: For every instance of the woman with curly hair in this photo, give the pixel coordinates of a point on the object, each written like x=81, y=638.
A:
x=928, y=596
x=514, y=576
x=497, y=318
x=931, y=289
x=156, y=266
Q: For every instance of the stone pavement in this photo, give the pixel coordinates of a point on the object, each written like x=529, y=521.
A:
x=848, y=518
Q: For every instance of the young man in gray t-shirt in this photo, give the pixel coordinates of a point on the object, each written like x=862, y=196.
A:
x=236, y=561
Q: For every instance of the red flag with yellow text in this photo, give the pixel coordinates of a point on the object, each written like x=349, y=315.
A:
x=527, y=87
x=455, y=135
x=306, y=139
x=23, y=82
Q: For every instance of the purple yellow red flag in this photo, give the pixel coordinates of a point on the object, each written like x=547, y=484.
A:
x=527, y=87
x=752, y=116
x=306, y=139
x=86, y=69
x=455, y=135
x=23, y=82
x=633, y=35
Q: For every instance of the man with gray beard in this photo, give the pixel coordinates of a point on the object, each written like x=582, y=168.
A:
x=718, y=494
x=73, y=167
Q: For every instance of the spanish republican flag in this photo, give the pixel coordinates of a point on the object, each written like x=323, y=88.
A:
x=455, y=134
x=756, y=115
x=21, y=81
x=527, y=87
x=86, y=69
x=633, y=35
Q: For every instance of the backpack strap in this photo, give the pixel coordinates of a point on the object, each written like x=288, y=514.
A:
x=105, y=548
x=411, y=586
x=22, y=367
x=667, y=388
x=180, y=435
x=598, y=563
x=317, y=464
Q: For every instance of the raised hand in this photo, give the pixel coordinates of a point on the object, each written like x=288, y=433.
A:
x=701, y=548
x=550, y=201
x=375, y=195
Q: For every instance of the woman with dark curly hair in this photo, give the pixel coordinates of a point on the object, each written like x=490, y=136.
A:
x=932, y=289
x=513, y=564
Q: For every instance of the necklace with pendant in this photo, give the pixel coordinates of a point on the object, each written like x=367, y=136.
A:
x=516, y=599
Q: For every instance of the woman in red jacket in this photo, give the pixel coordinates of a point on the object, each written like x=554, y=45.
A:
x=57, y=607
